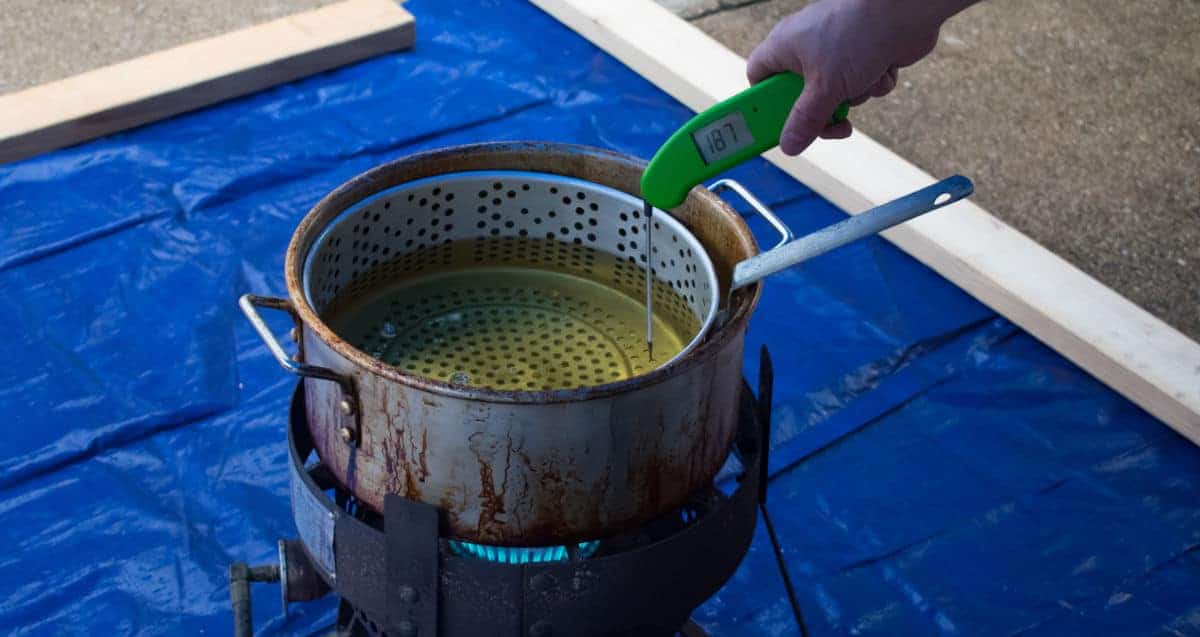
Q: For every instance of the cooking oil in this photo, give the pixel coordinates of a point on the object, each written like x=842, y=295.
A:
x=530, y=316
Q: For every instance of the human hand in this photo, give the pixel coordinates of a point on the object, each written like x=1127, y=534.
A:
x=847, y=50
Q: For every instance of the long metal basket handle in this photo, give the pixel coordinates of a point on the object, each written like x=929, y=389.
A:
x=249, y=304
x=790, y=253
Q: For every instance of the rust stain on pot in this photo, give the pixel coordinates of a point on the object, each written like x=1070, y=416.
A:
x=421, y=456
x=491, y=497
x=523, y=506
x=411, y=489
x=491, y=504
x=397, y=462
x=551, y=509
x=389, y=460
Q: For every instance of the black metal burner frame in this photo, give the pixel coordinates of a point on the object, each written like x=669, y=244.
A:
x=396, y=576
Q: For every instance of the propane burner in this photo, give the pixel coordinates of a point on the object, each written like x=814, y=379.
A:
x=395, y=574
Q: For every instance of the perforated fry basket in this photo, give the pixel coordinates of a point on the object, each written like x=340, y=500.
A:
x=495, y=329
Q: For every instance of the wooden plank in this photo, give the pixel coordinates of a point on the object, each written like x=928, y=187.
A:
x=1144, y=359
x=169, y=82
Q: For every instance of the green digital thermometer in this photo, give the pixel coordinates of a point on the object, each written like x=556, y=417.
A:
x=737, y=129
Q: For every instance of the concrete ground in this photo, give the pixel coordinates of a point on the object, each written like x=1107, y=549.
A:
x=45, y=40
x=1077, y=119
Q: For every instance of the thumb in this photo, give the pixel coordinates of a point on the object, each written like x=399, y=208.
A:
x=765, y=60
x=810, y=115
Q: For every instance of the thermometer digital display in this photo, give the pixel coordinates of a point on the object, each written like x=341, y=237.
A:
x=723, y=138
x=731, y=132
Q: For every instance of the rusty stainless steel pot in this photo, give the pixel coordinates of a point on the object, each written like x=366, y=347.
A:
x=520, y=467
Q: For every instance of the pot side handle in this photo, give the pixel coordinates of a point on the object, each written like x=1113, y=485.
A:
x=249, y=304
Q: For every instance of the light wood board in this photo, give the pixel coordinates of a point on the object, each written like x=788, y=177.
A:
x=166, y=83
x=1136, y=354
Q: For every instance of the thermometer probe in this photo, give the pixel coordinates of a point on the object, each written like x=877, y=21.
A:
x=731, y=132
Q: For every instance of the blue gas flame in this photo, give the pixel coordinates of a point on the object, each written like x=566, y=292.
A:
x=520, y=554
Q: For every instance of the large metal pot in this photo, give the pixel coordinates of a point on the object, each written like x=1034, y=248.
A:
x=521, y=467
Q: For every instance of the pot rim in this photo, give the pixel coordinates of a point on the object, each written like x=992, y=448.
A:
x=382, y=177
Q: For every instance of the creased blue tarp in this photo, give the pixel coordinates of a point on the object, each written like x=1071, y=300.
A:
x=935, y=469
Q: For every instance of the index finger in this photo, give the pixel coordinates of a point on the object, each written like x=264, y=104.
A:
x=764, y=62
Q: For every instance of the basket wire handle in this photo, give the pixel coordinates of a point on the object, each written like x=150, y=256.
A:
x=785, y=233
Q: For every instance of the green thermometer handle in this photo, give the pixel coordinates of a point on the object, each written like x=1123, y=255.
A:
x=737, y=129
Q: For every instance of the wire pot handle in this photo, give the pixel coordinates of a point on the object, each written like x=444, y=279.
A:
x=249, y=304
x=873, y=221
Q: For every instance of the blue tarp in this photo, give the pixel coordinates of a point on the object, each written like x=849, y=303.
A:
x=935, y=469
